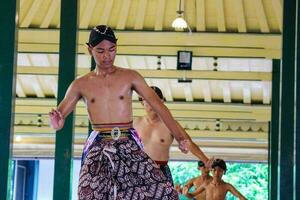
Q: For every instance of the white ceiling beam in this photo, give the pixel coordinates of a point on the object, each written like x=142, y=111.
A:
x=123, y=15
x=19, y=88
x=140, y=17
x=49, y=60
x=31, y=13
x=226, y=92
x=240, y=16
x=200, y=15
x=29, y=59
x=168, y=89
x=35, y=82
x=188, y=92
x=206, y=91
x=261, y=16
x=50, y=14
x=87, y=14
x=160, y=14
x=266, y=93
x=246, y=93
x=278, y=12
x=220, y=16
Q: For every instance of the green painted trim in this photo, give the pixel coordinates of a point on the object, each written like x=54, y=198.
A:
x=93, y=66
x=274, y=132
x=297, y=132
x=8, y=49
x=67, y=71
x=287, y=110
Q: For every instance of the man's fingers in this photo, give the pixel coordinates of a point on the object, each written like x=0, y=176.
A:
x=60, y=114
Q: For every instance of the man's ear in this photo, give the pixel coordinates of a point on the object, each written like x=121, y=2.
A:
x=90, y=50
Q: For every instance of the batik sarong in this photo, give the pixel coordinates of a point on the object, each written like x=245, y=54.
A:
x=118, y=169
x=164, y=167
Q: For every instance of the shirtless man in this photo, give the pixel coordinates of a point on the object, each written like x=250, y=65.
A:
x=217, y=188
x=203, y=180
x=156, y=137
x=113, y=165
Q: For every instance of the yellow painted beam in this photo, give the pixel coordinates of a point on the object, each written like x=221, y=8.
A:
x=140, y=17
x=177, y=39
x=46, y=132
x=165, y=43
x=106, y=12
x=179, y=110
x=50, y=14
x=31, y=13
x=261, y=16
x=200, y=15
x=87, y=14
x=278, y=12
x=220, y=16
x=166, y=74
x=240, y=16
x=123, y=15
x=160, y=15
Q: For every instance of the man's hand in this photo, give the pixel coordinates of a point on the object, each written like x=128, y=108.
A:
x=183, y=146
x=178, y=188
x=185, y=190
x=56, y=119
x=209, y=163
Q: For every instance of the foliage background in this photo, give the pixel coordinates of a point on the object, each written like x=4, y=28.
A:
x=251, y=179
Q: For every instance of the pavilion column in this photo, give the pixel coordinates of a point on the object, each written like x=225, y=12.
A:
x=67, y=72
x=8, y=58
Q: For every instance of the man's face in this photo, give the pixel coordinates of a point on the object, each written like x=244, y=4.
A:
x=104, y=53
x=203, y=169
x=218, y=172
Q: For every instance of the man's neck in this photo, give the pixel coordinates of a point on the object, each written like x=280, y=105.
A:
x=204, y=176
x=216, y=181
x=105, y=71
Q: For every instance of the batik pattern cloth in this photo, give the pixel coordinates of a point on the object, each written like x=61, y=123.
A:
x=120, y=170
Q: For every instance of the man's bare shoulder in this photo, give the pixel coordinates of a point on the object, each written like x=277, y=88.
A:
x=83, y=78
x=80, y=82
x=127, y=71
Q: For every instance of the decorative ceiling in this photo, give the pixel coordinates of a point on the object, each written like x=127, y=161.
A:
x=223, y=102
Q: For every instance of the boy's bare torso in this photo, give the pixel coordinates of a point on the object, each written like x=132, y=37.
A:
x=200, y=182
x=156, y=137
x=108, y=97
x=216, y=191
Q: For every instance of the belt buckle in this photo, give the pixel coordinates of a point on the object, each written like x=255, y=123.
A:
x=115, y=133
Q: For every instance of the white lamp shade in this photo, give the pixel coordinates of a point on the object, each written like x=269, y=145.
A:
x=179, y=23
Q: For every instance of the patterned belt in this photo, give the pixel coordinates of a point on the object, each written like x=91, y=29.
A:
x=113, y=130
x=112, y=135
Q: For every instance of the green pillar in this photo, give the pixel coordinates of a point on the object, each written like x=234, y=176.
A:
x=67, y=71
x=8, y=55
x=297, y=143
x=274, y=132
x=287, y=111
x=93, y=66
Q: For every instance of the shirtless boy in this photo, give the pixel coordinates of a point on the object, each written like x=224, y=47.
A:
x=217, y=188
x=203, y=180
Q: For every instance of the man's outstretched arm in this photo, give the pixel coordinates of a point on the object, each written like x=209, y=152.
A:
x=66, y=106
